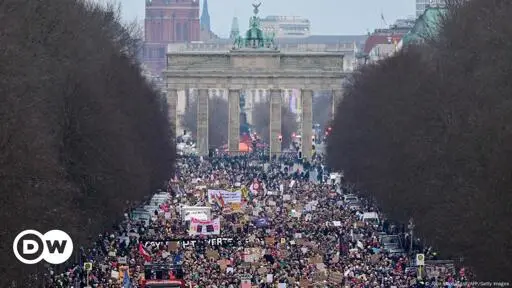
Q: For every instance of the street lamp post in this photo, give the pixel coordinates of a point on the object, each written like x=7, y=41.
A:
x=411, y=231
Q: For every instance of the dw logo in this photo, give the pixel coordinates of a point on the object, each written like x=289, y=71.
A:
x=55, y=247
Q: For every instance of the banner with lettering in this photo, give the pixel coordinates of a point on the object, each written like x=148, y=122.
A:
x=227, y=196
x=193, y=242
x=233, y=208
x=208, y=227
x=198, y=212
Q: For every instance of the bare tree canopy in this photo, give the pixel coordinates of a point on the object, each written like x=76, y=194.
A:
x=217, y=120
x=428, y=132
x=81, y=131
x=261, y=122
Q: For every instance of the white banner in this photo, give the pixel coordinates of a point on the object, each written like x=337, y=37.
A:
x=199, y=212
x=228, y=197
x=199, y=227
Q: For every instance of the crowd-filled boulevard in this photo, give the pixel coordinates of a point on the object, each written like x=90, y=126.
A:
x=136, y=154
x=246, y=222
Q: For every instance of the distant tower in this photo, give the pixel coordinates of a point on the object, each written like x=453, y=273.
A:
x=205, y=17
x=235, y=31
x=167, y=22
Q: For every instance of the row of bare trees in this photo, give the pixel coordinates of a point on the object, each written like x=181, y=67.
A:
x=81, y=131
x=428, y=133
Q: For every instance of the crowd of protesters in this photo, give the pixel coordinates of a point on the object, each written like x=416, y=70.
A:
x=288, y=231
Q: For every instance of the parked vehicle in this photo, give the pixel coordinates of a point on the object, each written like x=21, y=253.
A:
x=371, y=218
x=392, y=244
x=354, y=205
x=350, y=198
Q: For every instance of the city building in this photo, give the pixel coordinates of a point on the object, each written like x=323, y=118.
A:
x=167, y=22
x=404, y=24
x=291, y=97
x=291, y=34
x=235, y=29
x=382, y=36
x=206, y=31
x=251, y=63
x=205, y=17
x=286, y=26
x=427, y=25
x=391, y=35
x=172, y=21
x=422, y=5
x=382, y=51
x=383, y=43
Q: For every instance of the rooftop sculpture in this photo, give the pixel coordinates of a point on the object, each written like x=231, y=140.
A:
x=254, y=37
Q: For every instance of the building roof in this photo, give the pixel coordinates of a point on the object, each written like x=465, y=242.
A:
x=274, y=18
x=376, y=39
x=324, y=39
x=313, y=39
x=427, y=24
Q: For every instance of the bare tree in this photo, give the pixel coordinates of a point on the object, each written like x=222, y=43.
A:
x=81, y=131
x=427, y=132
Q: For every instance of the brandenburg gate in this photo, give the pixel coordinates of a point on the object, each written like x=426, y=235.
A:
x=254, y=62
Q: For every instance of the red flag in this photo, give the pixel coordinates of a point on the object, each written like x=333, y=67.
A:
x=164, y=207
x=144, y=253
x=219, y=200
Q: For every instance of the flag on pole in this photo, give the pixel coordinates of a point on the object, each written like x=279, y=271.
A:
x=218, y=200
x=126, y=280
x=144, y=253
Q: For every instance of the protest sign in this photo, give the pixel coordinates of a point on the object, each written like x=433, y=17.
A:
x=227, y=196
x=209, y=227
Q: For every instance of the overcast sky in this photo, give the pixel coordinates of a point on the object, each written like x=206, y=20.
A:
x=328, y=17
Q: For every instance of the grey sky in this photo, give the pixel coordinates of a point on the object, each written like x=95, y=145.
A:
x=333, y=17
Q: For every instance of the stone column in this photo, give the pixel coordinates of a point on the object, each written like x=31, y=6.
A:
x=187, y=97
x=307, y=123
x=233, y=120
x=172, y=102
x=202, y=122
x=275, y=121
x=337, y=97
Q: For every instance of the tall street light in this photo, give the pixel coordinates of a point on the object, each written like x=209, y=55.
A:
x=411, y=231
